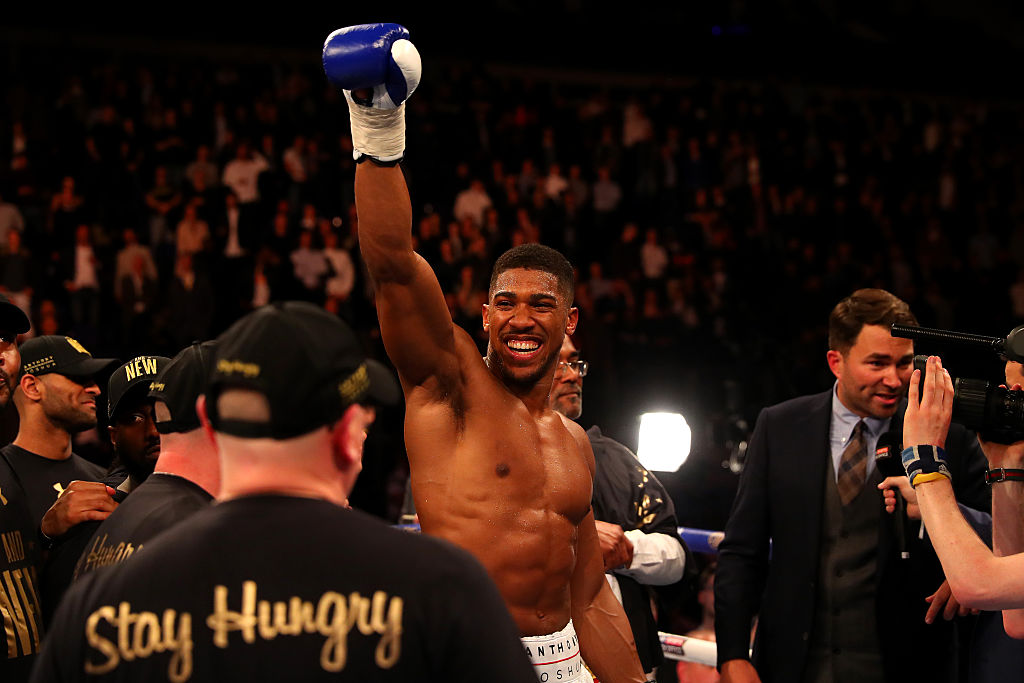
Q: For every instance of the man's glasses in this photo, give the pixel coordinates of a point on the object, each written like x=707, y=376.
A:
x=580, y=366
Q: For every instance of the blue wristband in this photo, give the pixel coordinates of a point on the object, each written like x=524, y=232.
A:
x=925, y=463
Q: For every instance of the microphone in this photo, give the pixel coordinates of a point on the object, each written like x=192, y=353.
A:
x=889, y=462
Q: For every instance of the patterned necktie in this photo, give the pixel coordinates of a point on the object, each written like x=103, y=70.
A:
x=853, y=466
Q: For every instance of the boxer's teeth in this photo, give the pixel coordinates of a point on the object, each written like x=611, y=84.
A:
x=523, y=345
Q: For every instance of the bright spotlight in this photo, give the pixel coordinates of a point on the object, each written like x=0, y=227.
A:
x=664, y=441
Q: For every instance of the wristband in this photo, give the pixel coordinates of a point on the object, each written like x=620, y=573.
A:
x=1003, y=474
x=925, y=463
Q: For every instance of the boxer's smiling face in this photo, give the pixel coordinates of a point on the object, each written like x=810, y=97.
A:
x=526, y=318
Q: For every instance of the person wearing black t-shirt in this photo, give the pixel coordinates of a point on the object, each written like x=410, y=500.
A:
x=136, y=446
x=20, y=625
x=278, y=580
x=187, y=473
x=56, y=398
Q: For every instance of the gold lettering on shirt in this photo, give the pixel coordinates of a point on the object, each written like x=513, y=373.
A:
x=19, y=608
x=14, y=546
x=102, y=555
x=59, y=489
x=3, y=501
x=139, y=635
x=332, y=616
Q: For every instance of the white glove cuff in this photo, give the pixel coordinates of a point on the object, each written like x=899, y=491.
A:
x=377, y=133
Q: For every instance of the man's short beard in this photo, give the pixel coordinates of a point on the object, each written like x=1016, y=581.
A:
x=523, y=384
x=73, y=423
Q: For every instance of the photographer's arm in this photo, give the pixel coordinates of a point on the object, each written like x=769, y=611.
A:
x=977, y=577
x=1008, y=516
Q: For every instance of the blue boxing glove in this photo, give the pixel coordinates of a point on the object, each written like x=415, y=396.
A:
x=378, y=58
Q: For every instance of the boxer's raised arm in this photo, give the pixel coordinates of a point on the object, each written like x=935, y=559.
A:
x=378, y=68
x=415, y=323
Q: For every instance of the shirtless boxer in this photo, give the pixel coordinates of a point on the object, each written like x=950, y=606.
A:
x=494, y=469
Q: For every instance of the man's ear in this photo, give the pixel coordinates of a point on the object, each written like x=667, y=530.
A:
x=574, y=319
x=110, y=432
x=204, y=419
x=835, y=362
x=344, y=454
x=30, y=385
x=484, y=308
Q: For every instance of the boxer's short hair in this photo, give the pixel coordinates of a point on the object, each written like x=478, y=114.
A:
x=536, y=257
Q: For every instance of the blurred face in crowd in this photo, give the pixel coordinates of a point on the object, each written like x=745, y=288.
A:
x=10, y=364
x=567, y=390
x=873, y=374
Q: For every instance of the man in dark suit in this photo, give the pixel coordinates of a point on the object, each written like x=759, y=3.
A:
x=808, y=548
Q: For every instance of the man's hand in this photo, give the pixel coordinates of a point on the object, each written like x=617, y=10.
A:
x=739, y=671
x=616, y=549
x=929, y=406
x=889, y=487
x=943, y=601
x=80, y=501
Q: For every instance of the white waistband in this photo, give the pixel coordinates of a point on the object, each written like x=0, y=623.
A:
x=556, y=657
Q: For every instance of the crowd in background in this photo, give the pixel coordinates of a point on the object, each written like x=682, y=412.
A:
x=148, y=202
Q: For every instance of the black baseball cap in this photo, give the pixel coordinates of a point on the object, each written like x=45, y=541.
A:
x=131, y=381
x=53, y=353
x=12, y=318
x=180, y=383
x=305, y=361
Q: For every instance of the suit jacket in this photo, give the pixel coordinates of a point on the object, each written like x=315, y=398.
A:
x=780, y=499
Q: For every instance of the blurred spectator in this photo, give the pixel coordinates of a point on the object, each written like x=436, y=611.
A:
x=472, y=202
x=653, y=256
x=202, y=169
x=162, y=199
x=191, y=304
x=83, y=283
x=193, y=233
x=241, y=174
x=138, y=298
x=343, y=271
x=10, y=218
x=15, y=274
x=309, y=267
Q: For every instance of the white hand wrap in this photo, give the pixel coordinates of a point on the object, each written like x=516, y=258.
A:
x=377, y=133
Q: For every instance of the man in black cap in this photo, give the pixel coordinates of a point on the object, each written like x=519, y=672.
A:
x=72, y=520
x=132, y=429
x=56, y=398
x=187, y=472
x=345, y=595
x=19, y=600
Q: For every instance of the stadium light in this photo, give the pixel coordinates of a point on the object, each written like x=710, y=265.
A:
x=664, y=441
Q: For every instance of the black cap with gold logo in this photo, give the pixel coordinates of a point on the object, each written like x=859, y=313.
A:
x=131, y=379
x=61, y=355
x=305, y=361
